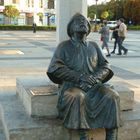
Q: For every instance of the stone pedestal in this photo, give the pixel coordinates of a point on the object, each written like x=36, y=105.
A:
x=39, y=96
x=126, y=96
x=39, y=100
x=19, y=125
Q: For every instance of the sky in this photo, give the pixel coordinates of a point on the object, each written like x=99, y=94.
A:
x=90, y=2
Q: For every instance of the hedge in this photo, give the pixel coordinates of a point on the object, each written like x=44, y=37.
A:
x=136, y=27
x=47, y=28
x=26, y=27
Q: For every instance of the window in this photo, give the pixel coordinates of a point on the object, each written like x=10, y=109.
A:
x=16, y=1
x=41, y=3
x=32, y=3
x=28, y=3
x=1, y=2
x=50, y=4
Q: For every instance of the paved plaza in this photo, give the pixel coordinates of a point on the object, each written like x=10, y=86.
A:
x=23, y=53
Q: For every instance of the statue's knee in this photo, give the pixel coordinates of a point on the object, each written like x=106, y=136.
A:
x=79, y=95
x=75, y=93
x=113, y=95
x=116, y=95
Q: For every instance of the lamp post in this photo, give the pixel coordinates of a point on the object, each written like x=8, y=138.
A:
x=96, y=17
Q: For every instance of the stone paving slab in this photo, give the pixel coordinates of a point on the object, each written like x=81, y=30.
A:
x=23, y=64
x=29, y=53
x=19, y=126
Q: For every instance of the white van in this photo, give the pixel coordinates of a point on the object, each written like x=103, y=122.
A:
x=112, y=24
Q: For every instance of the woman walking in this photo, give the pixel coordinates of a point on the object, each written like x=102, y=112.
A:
x=105, y=37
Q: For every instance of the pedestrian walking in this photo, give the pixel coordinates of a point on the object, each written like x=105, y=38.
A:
x=34, y=27
x=105, y=37
x=115, y=36
x=121, y=36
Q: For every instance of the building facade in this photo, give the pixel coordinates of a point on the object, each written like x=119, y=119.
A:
x=30, y=11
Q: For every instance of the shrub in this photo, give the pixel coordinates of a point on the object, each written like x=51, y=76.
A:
x=137, y=27
x=26, y=27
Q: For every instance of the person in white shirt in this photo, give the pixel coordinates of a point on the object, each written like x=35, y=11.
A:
x=121, y=36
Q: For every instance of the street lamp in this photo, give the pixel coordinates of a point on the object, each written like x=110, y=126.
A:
x=96, y=17
x=96, y=7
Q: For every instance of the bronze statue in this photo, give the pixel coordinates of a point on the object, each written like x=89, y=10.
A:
x=81, y=70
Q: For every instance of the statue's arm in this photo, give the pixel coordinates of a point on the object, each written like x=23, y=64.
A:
x=66, y=74
x=59, y=70
x=103, y=72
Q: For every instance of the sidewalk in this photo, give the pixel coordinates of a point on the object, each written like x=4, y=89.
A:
x=23, y=53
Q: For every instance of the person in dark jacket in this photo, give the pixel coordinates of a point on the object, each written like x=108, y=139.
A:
x=34, y=27
x=81, y=70
x=115, y=36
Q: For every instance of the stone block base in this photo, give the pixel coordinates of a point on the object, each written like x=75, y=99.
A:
x=39, y=96
x=20, y=126
x=126, y=96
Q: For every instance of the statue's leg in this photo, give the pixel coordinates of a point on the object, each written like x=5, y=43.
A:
x=112, y=134
x=83, y=134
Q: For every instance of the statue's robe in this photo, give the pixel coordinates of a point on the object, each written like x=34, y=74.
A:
x=97, y=107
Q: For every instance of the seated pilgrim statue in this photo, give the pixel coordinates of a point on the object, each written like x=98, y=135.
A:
x=81, y=70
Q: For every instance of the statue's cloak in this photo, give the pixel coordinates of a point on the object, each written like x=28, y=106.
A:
x=97, y=107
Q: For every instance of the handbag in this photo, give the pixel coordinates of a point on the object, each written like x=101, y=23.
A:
x=101, y=38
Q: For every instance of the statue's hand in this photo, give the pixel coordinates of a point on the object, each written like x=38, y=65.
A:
x=84, y=86
x=89, y=79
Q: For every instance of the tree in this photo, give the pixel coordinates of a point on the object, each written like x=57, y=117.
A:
x=91, y=12
x=105, y=15
x=136, y=12
x=128, y=9
x=40, y=16
x=133, y=12
x=11, y=12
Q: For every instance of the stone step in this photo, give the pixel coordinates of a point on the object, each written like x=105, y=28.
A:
x=39, y=96
x=18, y=125
x=2, y=135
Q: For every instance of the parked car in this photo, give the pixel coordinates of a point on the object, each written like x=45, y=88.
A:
x=112, y=24
x=95, y=21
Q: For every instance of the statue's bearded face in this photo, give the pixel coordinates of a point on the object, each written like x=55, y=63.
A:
x=80, y=25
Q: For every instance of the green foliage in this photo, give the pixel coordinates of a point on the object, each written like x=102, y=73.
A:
x=105, y=15
x=40, y=14
x=128, y=9
x=29, y=27
x=91, y=12
x=137, y=27
x=133, y=12
x=95, y=28
x=11, y=11
x=111, y=15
